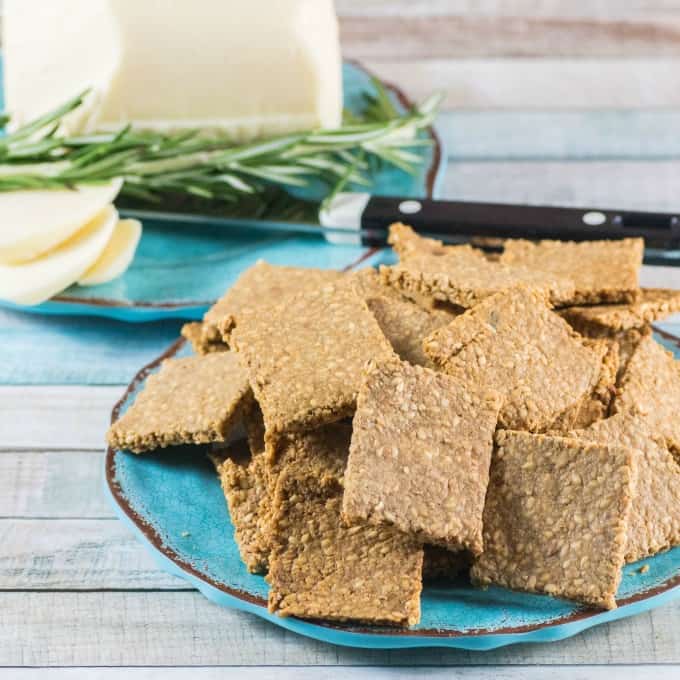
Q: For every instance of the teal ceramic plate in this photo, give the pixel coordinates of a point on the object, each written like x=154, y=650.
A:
x=173, y=502
x=180, y=268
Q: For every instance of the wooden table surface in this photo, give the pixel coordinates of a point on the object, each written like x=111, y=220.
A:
x=549, y=102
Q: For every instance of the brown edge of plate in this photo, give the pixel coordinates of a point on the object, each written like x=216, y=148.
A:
x=430, y=179
x=667, y=336
x=155, y=540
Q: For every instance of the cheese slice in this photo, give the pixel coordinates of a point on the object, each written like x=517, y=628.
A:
x=117, y=255
x=34, y=222
x=34, y=282
x=248, y=67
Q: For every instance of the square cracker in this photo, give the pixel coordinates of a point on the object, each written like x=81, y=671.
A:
x=603, y=271
x=465, y=280
x=595, y=405
x=249, y=479
x=244, y=481
x=654, y=523
x=627, y=342
x=319, y=568
x=304, y=357
x=609, y=320
x=404, y=322
x=650, y=386
x=256, y=287
x=420, y=453
x=514, y=344
x=556, y=517
x=194, y=400
x=406, y=325
x=368, y=284
x=260, y=475
x=319, y=454
x=459, y=275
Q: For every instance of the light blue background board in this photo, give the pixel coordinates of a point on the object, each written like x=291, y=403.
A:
x=52, y=350
x=560, y=135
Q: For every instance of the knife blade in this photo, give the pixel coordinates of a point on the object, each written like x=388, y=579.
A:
x=361, y=218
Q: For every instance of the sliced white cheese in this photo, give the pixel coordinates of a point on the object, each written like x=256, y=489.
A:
x=117, y=255
x=34, y=222
x=34, y=282
x=249, y=67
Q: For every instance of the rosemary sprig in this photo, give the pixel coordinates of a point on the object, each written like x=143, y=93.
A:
x=157, y=165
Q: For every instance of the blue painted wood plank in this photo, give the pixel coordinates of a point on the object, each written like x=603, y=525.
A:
x=560, y=135
x=60, y=350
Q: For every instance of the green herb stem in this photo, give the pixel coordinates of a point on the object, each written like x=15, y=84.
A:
x=154, y=165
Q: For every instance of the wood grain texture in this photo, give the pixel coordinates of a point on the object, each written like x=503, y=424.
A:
x=408, y=30
x=167, y=629
x=456, y=36
x=526, y=54
x=647, y=672
x=53, y=484
x=596, y=9
x=606, y=184
x=541, y=83
x=69, y=554
x=107, y=352
x=55, y=417
x=560, y=135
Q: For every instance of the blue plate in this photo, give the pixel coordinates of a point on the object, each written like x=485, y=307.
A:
x=173, y=502
x=180, y=268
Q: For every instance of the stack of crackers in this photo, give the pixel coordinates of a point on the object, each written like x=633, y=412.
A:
x=513, y=417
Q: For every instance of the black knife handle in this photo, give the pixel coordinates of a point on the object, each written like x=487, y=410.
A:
x=451, y=220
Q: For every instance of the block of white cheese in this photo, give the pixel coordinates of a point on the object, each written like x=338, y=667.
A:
x=34, y=282
x=34, y=222
x=250, y=67
x=117, y=255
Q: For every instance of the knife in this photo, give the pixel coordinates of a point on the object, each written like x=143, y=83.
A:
x=361, y=218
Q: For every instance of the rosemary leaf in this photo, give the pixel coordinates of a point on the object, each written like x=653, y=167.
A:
x=258, y=176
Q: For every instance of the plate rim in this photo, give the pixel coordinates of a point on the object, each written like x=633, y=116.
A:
x=359, y=636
